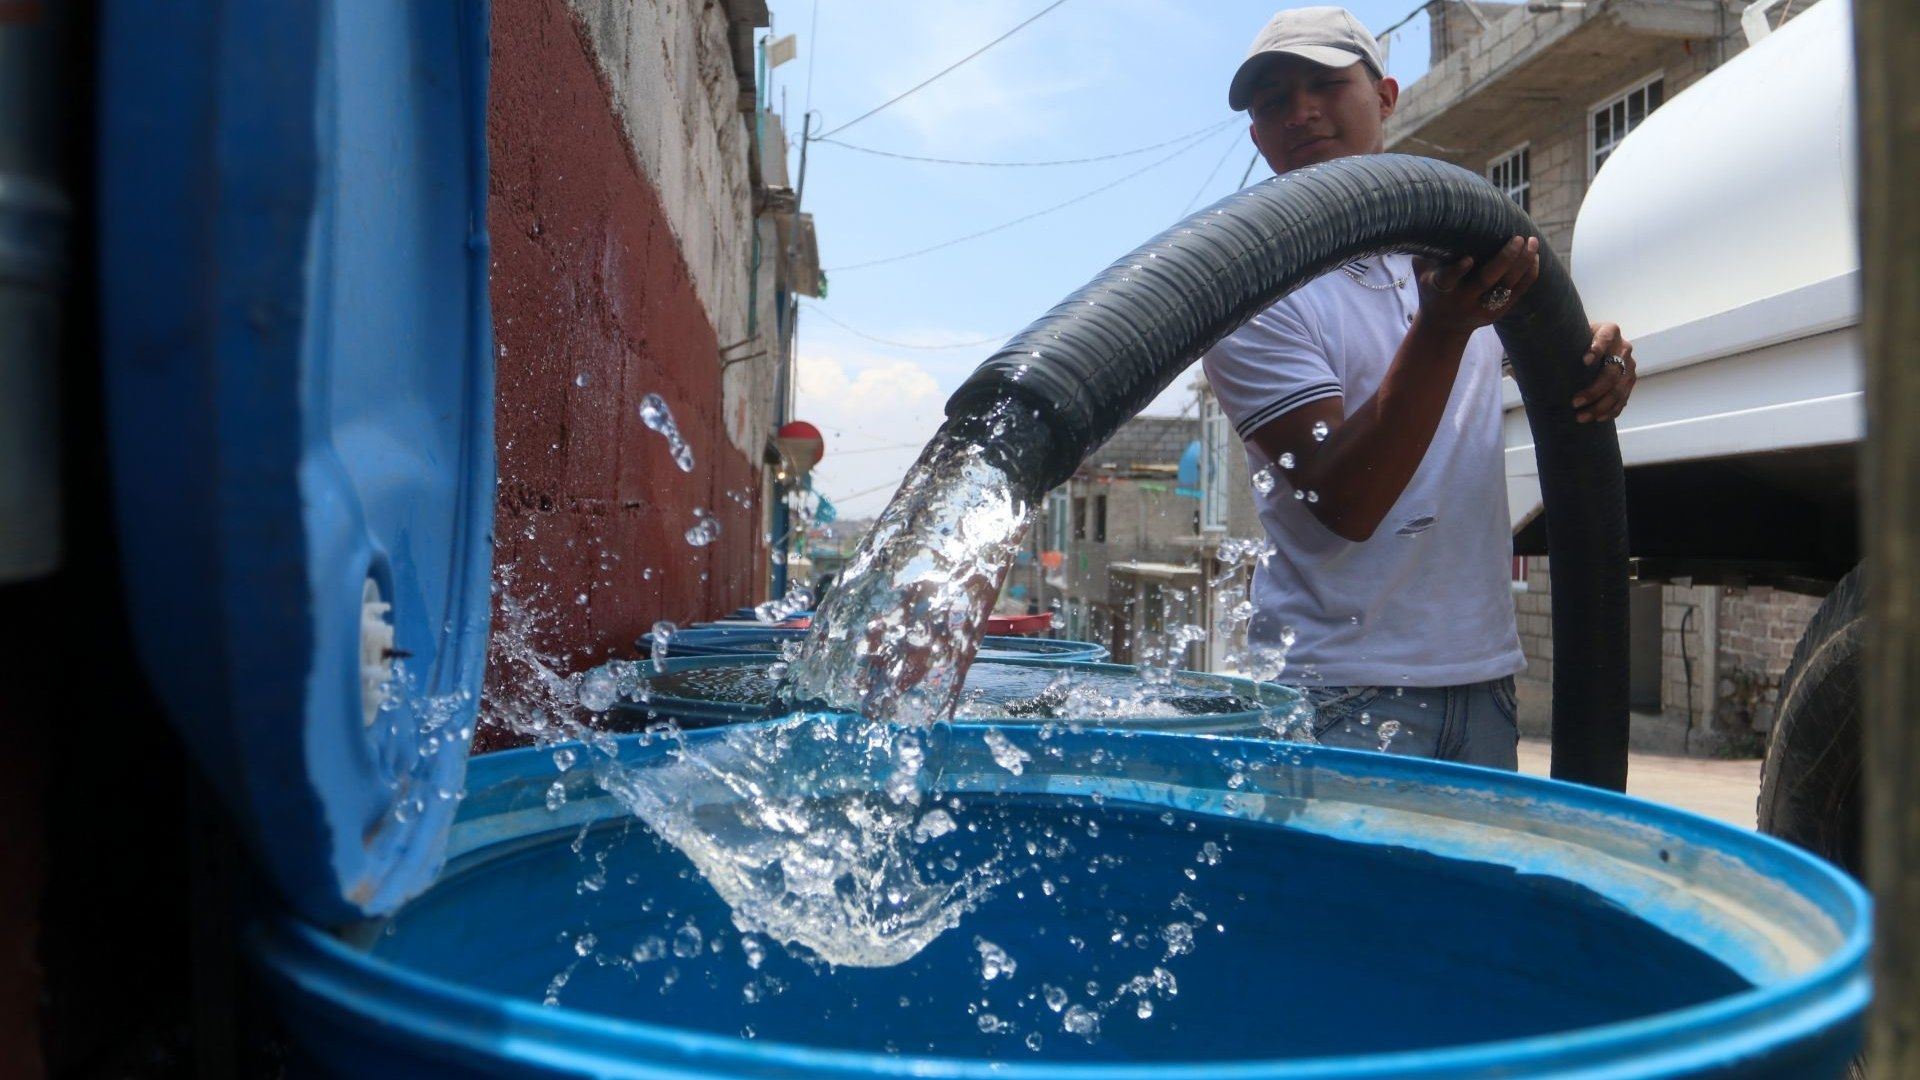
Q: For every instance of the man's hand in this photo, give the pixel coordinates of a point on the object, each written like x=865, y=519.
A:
x=1454, y=302
x=1608, y=395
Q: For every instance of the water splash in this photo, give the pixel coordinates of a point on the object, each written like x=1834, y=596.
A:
x=802, y=828
x=656, y=415
x=798, y=599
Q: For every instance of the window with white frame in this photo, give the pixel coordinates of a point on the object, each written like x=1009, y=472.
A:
x=1512, y=173
x=1216, y=440
x=1613, y=119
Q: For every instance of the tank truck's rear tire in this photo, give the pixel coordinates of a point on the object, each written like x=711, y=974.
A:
x=1810, y=782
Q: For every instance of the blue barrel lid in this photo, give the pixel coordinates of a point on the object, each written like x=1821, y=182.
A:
x=299, y=375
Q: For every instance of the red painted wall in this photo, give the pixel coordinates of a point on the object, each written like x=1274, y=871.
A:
x=589, y=285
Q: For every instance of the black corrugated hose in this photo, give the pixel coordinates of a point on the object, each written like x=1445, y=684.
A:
x=1106, y=351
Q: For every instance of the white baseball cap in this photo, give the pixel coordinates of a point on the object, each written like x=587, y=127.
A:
x=1328, y=36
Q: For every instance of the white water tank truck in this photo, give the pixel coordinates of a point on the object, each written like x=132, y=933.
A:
x=1721, y=236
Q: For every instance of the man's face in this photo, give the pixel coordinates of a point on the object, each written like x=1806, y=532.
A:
x=1304, y=114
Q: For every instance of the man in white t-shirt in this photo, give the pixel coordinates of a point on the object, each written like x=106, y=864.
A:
x=1371, y=396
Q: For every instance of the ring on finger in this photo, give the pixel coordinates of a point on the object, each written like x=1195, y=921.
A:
x=1617, y=361
x=1496, y=298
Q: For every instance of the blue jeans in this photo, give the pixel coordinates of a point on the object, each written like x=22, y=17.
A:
x=1472, y=724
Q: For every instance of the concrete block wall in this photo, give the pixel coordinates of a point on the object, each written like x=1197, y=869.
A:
x=1759, y=629
x=669, y=74
x=1711, y=702
x=607, y=287
x=1685, y=696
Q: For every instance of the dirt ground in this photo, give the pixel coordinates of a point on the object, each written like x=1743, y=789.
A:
x=1715, y=788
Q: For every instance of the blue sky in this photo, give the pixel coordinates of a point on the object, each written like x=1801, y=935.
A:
x=1090, y=78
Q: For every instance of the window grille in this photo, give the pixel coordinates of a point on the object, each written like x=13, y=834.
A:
x=1612, y=120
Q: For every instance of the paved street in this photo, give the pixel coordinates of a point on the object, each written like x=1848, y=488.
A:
x=1709, y=786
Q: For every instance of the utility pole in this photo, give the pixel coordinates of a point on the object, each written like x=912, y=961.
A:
x=1887, y=40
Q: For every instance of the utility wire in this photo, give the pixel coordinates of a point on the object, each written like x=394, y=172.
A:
x=817, y=310
x=844, y=500
x=813, y=50
x=1084, y=196
x=879, y=449
x=929, y=80
x=1209, y=129
x=1208, y=182
x=1251, y=162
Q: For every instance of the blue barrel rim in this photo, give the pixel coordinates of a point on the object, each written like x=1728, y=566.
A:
x=712, y=635
x=1734, y=1027
x=1195, y=724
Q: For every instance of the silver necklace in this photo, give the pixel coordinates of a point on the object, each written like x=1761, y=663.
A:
x=1360, y=280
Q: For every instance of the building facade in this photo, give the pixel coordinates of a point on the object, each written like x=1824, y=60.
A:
x=1111, y=553
x=1536, y=100
x=647, y=246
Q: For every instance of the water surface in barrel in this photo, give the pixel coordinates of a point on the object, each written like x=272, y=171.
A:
x=1104, y=932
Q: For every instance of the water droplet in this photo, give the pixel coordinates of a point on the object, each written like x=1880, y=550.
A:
x=663, y=632
x=1144, y=1009
x=556, y=796
x=705, y=529
x=656, y=415
x=687, y=941
x=1082, y=1021
x=599, y=689
x=994, y=961
x=1286, y=461
x=1313, y=496
x=935, y=824
x=582, y=379
x=564, y=758
x=1263, y=481
x=1320, y=431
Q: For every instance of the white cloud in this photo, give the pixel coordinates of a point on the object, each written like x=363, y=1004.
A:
x=876, y=412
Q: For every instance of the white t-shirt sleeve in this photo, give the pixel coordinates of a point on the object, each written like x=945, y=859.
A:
x=1269, y=367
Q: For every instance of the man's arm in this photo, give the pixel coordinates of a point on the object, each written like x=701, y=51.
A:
x=1355, y=468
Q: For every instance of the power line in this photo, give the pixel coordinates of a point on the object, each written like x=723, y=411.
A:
x=879, y=449
x=1208, y=182
x=813, y=50
x=844, y=500
x=1022, y=219
x=817, y=310
x=1208, y=130
x=1251, y=162
x=929, y=80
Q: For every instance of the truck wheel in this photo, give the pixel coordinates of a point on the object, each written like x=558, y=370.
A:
x=1810, y=781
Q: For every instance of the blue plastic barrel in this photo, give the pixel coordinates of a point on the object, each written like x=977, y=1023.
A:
x=1345, y=916
x=704, y=691
x=732, y=639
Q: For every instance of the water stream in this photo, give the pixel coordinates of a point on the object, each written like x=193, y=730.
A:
x=894, y=639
